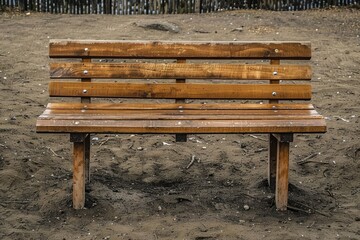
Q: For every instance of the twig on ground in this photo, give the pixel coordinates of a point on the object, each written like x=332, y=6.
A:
x=191, y=162
x=104, y=141
x=55, y=154
x=256, y=137
x=341, y=118
x=261, y=150
x=312, y=209
x=306, y=159
x=298, y=209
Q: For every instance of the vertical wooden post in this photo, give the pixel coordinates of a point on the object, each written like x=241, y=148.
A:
x=181, y=137
x=273, y=151
x=282, y=171
x=282, y=176
x=87, y=147
x=78, y=170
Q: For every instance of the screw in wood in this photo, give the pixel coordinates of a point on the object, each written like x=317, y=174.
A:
x=86, y=72
x=274, y=93
x=276, y=50
x=84, y=91
x=275, y=73
x=86, y=49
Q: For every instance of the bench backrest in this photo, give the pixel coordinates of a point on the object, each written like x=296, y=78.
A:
x=141, y=63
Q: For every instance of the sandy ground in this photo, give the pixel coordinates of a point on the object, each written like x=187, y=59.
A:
x=140, y=186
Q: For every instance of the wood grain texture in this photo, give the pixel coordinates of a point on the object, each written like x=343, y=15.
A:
x=76, y=70
x=78, y=175
x=177, y=106
x=282, y=176
x=168, y=49
x=182, y=126
x=180, y=90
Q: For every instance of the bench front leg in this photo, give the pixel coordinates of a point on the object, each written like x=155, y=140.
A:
x=282, y=170
x=78, y=170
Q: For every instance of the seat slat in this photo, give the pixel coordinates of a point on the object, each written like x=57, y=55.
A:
x=140, y=116
x=154, y=113
x=168, y=49
x=180, y=90
x=179, y=71
x=185, y=126
x=176, y=106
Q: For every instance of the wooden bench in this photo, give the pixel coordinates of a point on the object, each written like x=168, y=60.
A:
x=207, y=73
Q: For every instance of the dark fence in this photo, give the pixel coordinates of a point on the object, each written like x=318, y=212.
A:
x=127, y=7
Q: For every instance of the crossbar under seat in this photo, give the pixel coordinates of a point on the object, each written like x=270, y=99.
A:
x=142, y=64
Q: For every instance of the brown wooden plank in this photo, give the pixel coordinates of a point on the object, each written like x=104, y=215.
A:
x=282, y=176
x=75, y=70
x=78, y=175
x=183, y=126
x=175, y=106
x=119, y=114
x=272, y=158
x=180, y=90
x=168, y=49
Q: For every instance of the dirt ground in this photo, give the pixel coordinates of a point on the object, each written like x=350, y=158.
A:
x=141, y=188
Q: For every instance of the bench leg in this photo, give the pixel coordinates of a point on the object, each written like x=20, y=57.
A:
x=79, y=175
x=282, y=143
x=282, y=176
x=272, y=161
x=78, y=170
x=87, y=158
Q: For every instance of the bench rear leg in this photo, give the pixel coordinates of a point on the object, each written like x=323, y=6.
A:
x=272, y=161
x=87, y=158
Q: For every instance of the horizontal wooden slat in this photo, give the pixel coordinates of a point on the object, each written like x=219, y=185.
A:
x=176, y=106
x=168, y=49
x=180, y=90
x=179, y=70
x=183, y=126
x=178, y=114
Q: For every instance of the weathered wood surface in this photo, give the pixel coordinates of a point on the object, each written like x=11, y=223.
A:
x=176, y=106
x=179, y=90
x=78, y=175
x=182, y=126
x=282, y=175
x=176, y=50
x=179, y=71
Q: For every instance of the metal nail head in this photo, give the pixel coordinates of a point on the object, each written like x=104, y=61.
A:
x=274, y=93
x=84, y=91
x=275, y=73
x=86, y=49
x=276, y=50
x=86, y=72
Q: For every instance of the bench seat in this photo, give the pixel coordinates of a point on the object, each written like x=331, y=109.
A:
x=180, y=118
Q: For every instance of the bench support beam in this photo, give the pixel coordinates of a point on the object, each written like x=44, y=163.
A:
x=279, y=167
x=78, y=170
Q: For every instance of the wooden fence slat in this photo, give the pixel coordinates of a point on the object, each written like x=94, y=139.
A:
x=125, y=7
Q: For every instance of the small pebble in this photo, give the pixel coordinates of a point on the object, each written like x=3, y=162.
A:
x=246, y=207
